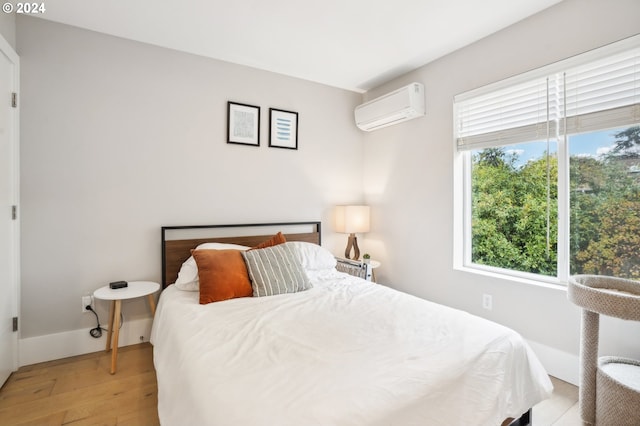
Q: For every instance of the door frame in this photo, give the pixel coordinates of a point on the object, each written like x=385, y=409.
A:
x=10, y=53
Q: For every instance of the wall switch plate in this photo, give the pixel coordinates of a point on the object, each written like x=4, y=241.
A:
x=487, y=301
x=86, y=300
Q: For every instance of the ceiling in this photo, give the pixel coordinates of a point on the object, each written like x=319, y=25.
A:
x=350, y=44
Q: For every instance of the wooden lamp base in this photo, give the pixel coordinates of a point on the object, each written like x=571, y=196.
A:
x=352, y=244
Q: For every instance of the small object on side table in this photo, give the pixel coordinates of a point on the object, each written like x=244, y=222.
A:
x=363, y=269
x=118, y=284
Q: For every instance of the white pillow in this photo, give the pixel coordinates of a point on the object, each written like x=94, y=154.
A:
x=313, y=257
x=188, y=274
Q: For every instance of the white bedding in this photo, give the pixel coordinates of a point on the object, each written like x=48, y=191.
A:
x=346, y=352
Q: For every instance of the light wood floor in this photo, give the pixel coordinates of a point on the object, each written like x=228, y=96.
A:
x=80, y=391
x=561, y=409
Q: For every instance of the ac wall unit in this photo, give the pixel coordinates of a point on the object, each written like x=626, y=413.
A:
x=400, y=105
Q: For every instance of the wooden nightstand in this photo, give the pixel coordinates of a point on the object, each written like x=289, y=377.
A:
x=133, y=290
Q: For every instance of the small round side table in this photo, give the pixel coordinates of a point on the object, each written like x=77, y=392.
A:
x=133, y=290
x=374, y=264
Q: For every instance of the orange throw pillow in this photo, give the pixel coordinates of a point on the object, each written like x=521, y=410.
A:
x=273, y=241
x=223, y=275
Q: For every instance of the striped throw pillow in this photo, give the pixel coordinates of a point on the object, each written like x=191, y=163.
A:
x=275, y=270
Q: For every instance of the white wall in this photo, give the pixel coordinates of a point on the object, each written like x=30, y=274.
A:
x=120, y=138
x=8, y=28
x=409, y=178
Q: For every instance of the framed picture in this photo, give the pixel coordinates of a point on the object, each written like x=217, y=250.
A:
x=283, y=129
x=243, y=124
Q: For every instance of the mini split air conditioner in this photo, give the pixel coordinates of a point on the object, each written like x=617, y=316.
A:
x=400, y=105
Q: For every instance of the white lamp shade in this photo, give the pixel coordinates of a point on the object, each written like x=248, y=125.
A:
x=352, y=219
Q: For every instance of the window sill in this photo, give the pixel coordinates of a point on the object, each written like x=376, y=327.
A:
x=513, y=278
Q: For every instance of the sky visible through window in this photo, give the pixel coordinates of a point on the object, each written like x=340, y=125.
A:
x=593, y=144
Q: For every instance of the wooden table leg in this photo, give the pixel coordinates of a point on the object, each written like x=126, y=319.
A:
x=116, y=333
x=110, y=330
x=152, y=304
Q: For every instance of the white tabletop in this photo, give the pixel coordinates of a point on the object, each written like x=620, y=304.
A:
x=133, y=290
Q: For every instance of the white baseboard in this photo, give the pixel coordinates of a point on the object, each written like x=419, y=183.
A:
x=33, y=350
x=560, y=364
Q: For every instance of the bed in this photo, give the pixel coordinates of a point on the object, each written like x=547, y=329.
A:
x=343, y=352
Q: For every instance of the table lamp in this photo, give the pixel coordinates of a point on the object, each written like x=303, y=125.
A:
x=351, y=220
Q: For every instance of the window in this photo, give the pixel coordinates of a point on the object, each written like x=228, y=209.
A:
x=514, y=207
x=550, y=169
x=605, y=203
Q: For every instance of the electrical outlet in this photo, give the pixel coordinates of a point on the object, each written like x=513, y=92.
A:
x=86, y=300
x=487, y=301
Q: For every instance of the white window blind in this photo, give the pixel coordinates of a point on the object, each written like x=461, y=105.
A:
x=589, y=93
x=511, y=115
x=603, y=94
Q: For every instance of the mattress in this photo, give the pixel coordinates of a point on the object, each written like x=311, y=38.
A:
x=346, y=352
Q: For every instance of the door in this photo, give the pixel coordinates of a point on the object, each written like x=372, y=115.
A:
x=9, y=261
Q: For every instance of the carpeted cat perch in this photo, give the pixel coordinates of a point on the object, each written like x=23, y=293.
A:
x=609, y=386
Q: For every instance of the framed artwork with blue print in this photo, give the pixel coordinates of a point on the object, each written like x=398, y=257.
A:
x=283, y=132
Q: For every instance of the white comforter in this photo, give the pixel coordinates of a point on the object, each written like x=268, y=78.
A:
x=347, y=352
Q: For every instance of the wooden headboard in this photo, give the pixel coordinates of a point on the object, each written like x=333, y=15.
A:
x=178, y=241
